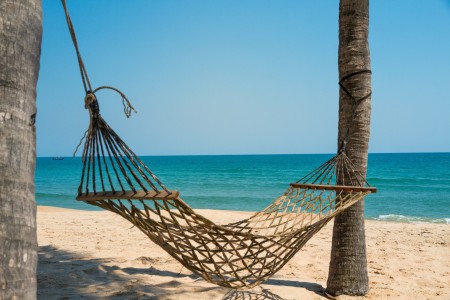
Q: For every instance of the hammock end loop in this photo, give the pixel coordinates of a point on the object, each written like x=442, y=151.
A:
x=343, y=146
x=127, y=107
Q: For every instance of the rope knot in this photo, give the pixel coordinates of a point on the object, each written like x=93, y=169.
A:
x=91, y=103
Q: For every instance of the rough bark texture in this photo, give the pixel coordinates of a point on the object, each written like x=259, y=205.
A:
x=20, y=44
x=348, y=266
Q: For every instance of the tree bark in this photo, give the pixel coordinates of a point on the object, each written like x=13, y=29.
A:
x=348, y=266
x=20, y=46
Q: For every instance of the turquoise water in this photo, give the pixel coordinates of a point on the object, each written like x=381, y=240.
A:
x=413, y=187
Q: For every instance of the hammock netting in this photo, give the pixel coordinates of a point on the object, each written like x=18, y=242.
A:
x=240, y=254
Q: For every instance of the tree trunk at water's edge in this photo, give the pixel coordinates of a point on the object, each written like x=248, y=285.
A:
x=348, y=265
x=20, y=46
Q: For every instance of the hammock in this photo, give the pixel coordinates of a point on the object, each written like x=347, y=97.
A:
x=240, y=254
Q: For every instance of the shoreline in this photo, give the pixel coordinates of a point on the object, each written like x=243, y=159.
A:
x=99, y=254
x=382, y=218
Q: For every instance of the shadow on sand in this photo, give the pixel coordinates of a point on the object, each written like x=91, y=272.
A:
x=65, y=275
x=267, y=294
x=251, y=295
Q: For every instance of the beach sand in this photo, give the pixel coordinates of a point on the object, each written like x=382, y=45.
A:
x=99, y=255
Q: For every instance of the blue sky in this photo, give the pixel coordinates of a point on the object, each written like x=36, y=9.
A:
x=241, y=77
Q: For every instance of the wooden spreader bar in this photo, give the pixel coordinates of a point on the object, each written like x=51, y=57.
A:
x=130, y=195
x=338, y=188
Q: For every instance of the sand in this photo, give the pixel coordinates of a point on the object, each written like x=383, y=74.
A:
x=98, y=255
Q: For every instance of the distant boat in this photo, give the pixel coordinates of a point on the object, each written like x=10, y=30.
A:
x=57, y=158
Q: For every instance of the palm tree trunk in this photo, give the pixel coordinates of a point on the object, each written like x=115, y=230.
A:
x=348, y=266
x=20, y=45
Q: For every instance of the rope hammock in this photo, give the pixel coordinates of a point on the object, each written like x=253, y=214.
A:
x=240, y=254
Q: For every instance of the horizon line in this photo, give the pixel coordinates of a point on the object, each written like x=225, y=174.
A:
x=258, y=154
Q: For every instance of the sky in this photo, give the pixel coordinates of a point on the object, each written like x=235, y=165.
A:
x=241, y=77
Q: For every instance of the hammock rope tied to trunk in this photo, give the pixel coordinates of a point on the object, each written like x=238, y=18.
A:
x=240, y=254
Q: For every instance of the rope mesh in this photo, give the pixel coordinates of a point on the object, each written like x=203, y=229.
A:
x=240, y=254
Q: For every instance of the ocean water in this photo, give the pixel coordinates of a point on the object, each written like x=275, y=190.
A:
x=412, y=187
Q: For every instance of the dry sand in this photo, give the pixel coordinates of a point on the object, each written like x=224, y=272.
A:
x=98, y=255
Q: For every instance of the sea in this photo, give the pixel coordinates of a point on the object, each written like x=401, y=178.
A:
x=411, y=187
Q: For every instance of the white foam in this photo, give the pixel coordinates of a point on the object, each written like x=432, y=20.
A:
x=446, y=220
x=411, y=219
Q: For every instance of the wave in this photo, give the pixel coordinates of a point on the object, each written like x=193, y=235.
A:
x=411, y=219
